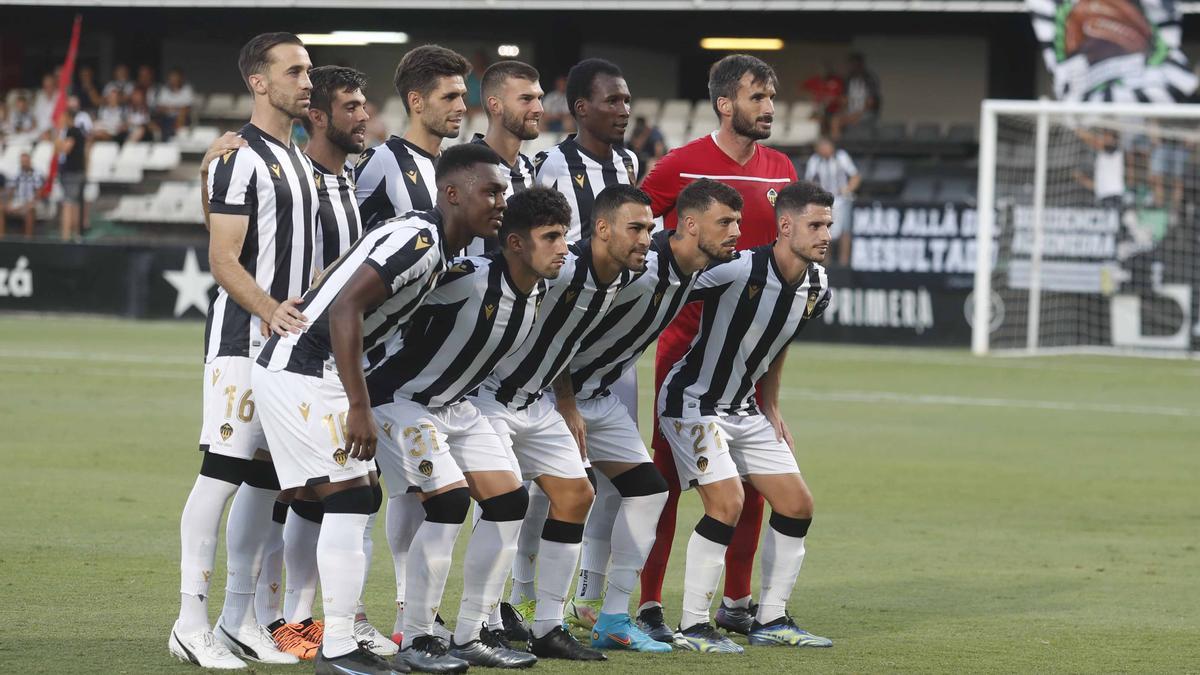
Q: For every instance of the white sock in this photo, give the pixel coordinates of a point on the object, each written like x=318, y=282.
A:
x=300, y=536
x=368, y=551
x=701, y=574
x=558, y=560
x=428, y=566
x=340, y=562
x=268, y=595
x=199, y=527
x=495, y=621
x=404, y=515
x=245, y=541
x=740, y=603
x=632, y=538
x=782, y=557
x=489, y=556
x=525, y=563
x=597, y=540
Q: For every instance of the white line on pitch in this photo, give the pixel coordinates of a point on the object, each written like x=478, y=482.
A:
x=132, y=374
x=99, y=357
x=933, y=399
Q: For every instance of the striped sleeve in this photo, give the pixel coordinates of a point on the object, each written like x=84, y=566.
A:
x=716, y=277
x=230, y=179
x=401, y=257
x=371, y=189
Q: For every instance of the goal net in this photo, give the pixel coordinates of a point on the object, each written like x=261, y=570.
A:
x=1088, y=228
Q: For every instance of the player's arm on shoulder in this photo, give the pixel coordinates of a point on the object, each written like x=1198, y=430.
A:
x=227, y=233
x=769, y=386
x=458, y=283
x=364, y=291
x=225, y=143
x=663, y=184
x=564, y=400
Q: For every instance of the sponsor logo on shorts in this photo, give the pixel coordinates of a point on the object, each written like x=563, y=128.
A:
x=226, y=431
x=702, y=463
x=207, y=575
x=426, y=468
x=216, y=375
x=387, y=429
x=340, y=456
x=304, y=407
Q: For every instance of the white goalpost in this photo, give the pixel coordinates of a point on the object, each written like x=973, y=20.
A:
x=1088, y=235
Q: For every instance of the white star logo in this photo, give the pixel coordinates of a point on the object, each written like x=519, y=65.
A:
x=191, y=285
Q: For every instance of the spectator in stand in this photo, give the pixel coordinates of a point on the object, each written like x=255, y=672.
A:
x=479, y=64
x=148, y=84
x=1107, y=180
x=377, y=131
x=25, y=194
x=111, y=119
x=1168, y=163
x=138, y=119
x=20, y=120
x=71, y=148
x=86, y=88
x=832, y=169
x=174, y=104
x=647, y=141
x=3, y=118
x=862, y=101
x=120, y=82
x=556, y=111
x=79, y=117
x=43, y=105
x=825, y=90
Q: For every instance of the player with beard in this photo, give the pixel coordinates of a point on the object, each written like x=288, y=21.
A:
x=512, y=98
x=741, y=89
x=262, y=205
x=396, y=176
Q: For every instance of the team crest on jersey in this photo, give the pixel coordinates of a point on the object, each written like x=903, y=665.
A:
x=702, y=463
x=412, y=176
x=277, y=170
x=340, y=456
x=216, y=375
x=207, y=575
x=225, y=157
x=304, y=408
x=772, y=195
x=754, y=290
x=580, y=178
x=423, y=242
x=387, y=429
x=489, y=311
x=426, y=468
x=226, y=431
x=813, y=296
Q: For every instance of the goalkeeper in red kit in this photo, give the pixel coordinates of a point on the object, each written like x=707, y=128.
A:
x=741, y=88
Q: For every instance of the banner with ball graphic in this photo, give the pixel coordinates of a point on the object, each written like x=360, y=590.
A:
x=1114, y=50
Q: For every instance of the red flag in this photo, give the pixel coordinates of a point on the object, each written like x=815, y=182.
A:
x=60, y=104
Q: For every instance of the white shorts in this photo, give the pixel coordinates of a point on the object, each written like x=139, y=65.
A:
x=626, y=391
x=305, y=420
x=709, y=448
x=232, y=426
x=612, y=435
x=537, y=436
x=423, y=449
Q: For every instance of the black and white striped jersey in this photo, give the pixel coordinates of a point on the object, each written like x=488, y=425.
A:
x=272, y=183
x=520, y=177
x=338, y=224
x=474, y=317
x=408, y=255
x=749, y=316
x=580, y=176
x=572, y=305
x=641, y=311
x=393, y=178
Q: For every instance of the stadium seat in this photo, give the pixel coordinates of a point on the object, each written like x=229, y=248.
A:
x=101, y=161
x=218, y=105
x=886, y=170
x=196, y=139
x=674, y=131
x=10, y=159
x=801, y=132
x=859, y=132
x=964, y=133
x=919, y=189
x=959, y=190
x=646, y=107
x=162, y=157
x=243, y=106
x=892, y=131
x=797, y=112
x=782, y=109
x=674, y=111
x=42, y=152
x=927, y=132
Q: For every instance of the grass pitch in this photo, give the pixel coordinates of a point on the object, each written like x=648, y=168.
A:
x=973, y=515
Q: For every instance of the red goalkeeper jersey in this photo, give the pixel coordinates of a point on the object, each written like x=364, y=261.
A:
x=759, y=181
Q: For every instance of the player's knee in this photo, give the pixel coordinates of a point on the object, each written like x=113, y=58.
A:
x=795, y=504
x=376, y=497
x=450, y=507
x=641, y=480
x=261, y=474
x=725, y=504
x=790, y=526
x=309, y=510
x=507, y=507
x=351, y=500
x=223, y=468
